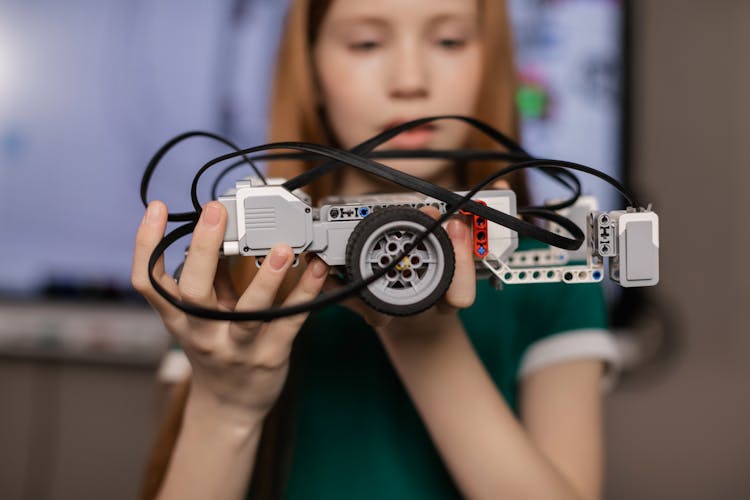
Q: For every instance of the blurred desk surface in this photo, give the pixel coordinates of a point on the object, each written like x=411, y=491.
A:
x=88, y=332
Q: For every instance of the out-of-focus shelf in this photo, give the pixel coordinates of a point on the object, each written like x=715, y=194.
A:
x=98, y=333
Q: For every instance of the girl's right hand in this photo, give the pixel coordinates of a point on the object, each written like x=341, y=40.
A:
x=237, y=366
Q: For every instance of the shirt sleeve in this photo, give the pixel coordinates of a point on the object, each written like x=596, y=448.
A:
x=174, y=367
x=571, y=325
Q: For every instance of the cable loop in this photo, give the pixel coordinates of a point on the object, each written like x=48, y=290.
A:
x=363, y=157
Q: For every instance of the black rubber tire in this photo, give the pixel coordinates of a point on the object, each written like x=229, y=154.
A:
x=373, y=223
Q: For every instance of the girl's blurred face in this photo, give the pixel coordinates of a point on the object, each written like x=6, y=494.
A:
x=380, y=63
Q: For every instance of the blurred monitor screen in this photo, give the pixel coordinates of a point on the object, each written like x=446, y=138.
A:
x=90, y=89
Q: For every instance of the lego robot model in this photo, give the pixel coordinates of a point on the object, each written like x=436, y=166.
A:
x=361, y=235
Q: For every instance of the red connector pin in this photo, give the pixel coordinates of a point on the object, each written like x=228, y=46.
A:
x=479, y=232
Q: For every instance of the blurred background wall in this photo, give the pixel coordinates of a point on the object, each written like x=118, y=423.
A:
x=677, y=431
x=686, y=434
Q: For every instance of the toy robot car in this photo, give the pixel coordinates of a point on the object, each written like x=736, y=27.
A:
x=360, y=235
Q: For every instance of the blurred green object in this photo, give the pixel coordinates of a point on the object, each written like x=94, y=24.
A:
x=532, y=101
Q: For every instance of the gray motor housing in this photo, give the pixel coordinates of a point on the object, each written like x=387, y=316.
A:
x=637, y=242
x=261, y=216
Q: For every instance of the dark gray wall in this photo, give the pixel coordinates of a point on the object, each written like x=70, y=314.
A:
x=71, y=430
x=687, y=435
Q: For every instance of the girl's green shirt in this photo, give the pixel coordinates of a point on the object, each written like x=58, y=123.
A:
x=357, y=434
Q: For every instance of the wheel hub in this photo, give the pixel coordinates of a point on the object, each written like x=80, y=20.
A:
x=404, y=264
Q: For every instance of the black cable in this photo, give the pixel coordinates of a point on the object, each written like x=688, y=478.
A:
x=402, y=154
x=367, y=147
x=335, y=158
x=338, y=295
x=549, y=167
x=162, y=151
x=224, y=173
x=425, y=187
x=416, y=184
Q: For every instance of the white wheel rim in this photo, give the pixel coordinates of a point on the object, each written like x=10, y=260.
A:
x=417, y=278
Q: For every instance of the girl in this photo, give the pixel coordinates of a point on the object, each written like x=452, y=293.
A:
x=491, y=394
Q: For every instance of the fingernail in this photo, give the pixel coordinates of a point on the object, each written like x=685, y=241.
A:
x=211, y=215
x=319, y=269
x=153, y=212
x=278, y=258
x=457, y=230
